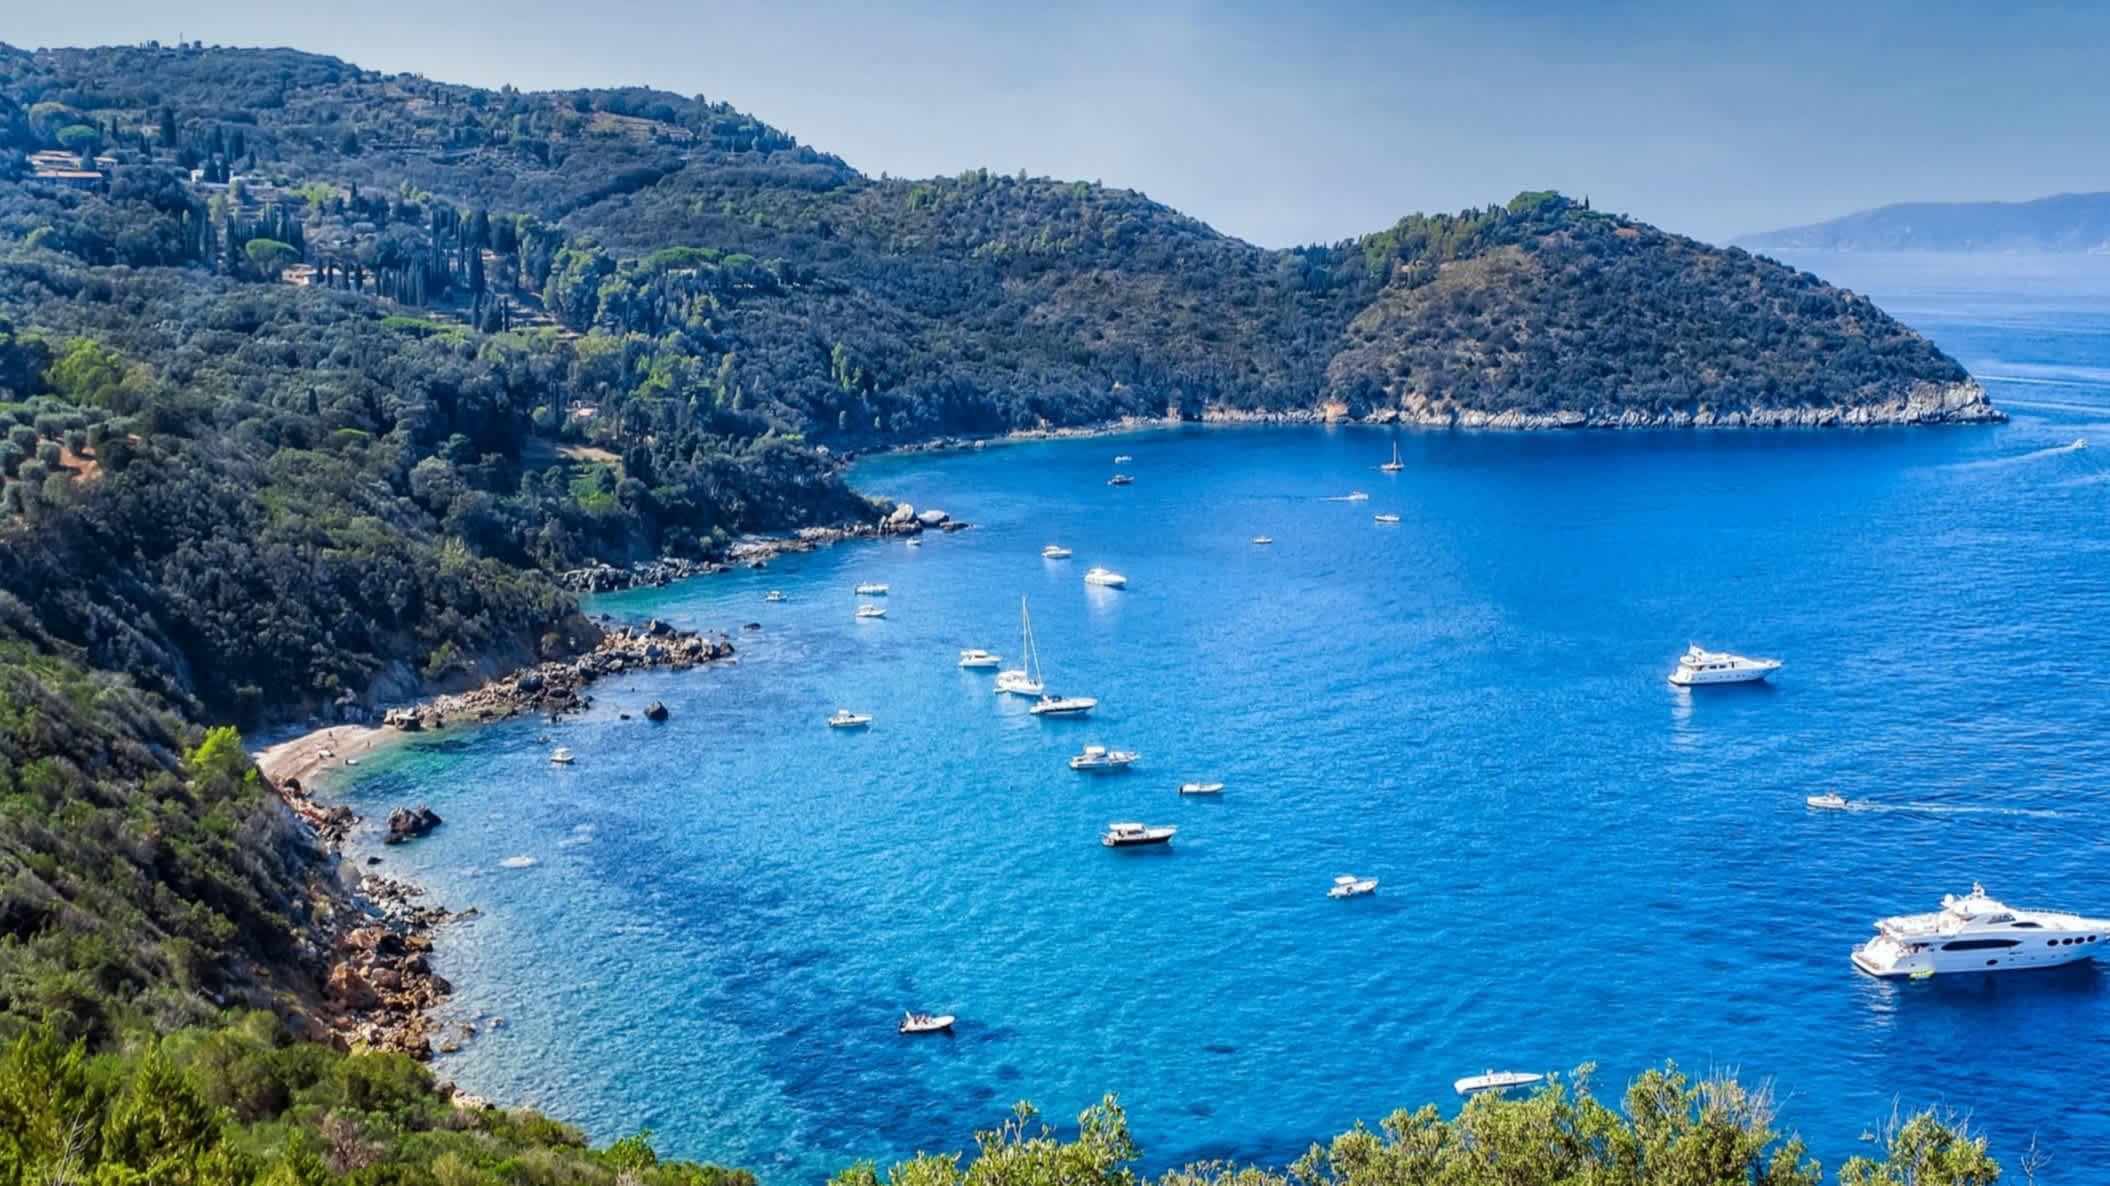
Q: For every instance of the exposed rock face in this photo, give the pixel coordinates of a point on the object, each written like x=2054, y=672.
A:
x=1921, y=403
x=409, y=824
x=558, y=686
x=655, y=711
x=755, y=551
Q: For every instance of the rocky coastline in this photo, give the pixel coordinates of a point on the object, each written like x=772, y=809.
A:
x=755, y=551
x=379, y=989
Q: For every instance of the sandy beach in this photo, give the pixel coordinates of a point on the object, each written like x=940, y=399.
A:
x=300, y=758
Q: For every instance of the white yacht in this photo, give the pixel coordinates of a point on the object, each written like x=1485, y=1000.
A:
x=1062, y=706
x=1054, y=552
x=1263, y=540
x=1120, y=480
x=1356, y=496
x=868, y=610
x=1097, y=759
x=1828, y=801
x=774, y=595
x=1697, y=667
x=1386, y=518
x=871, y=589
x=1201, y=788
x=1122, y=459
x=845, y=719
x=1348, y=885
x=1128, y=835
x=1106, y=578
x=1395, y=465
x=560, y=756
x=1975, y=933
x=1025, y=679
x=1495, y=1080
x=978, y=659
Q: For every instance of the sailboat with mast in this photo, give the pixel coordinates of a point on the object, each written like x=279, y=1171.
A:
x=1025, y=679
x=1395, y=465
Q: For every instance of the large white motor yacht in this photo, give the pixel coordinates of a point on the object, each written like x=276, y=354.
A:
x=1106, y=578
x=871, y=589
x=1062, y=706
x=1697, y=666
x=977, y=658
x=1976, y=933
x=1097, y=759
x=1055, y=552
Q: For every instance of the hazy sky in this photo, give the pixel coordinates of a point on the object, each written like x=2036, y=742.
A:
x=1287, y=122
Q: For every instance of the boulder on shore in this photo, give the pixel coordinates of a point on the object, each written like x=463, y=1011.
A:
x=409, y=825
x=655, y=711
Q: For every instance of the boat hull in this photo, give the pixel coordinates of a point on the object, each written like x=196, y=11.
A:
x=1741, y=675
x=1886, y=959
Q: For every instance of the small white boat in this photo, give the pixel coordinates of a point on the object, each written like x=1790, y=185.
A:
x=1495, y=1081
x=2080, y=442
x=774, y=595
x=1054, y=552
x=979, y=659
x=915, y=541
x=1122, y=459
x=1828, y=801
x=871, y=589
x=871, y=611
x=1062, y=706
x=1348, y=885
x=1356, y=496
x=1097, y=759
x=1387, y=518
x=1120, y=480
x=1697, y=667
x=1131, y=835
x=1201, y=788
x=1395, y=465
x=560, y=756
x=1106, y=578
x=845, y=719
x=926, y=1023
x=1263, y=540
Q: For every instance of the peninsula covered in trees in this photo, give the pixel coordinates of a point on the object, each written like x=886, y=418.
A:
x=312, y=377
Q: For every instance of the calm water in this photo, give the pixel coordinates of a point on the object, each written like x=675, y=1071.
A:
x=1580, y=863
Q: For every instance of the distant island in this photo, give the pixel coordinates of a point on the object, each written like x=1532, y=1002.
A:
x=2064, y=224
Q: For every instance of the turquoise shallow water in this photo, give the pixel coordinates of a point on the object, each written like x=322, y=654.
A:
x=1579, y=863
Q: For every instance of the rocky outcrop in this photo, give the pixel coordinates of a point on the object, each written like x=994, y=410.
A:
x=410, y=823
x=558, y=686
x=380, y=986
x=655, y=711
x=756, y=551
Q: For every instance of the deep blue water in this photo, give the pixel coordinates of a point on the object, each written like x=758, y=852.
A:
x=1579, y=863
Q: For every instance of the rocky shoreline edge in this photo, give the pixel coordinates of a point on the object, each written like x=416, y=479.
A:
x=378, y=988
x=902, y=521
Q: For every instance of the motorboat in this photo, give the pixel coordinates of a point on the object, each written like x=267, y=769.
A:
x=560, y=756
x=1097, y=759
x=2080, y=442
x=1493, y=1080
x=1348, y=885
x=915, y=541
x=1395, y=465
x=1976, y=933
x=1697, y=667
x=871, y=589
x=1025, y=679
x=1106, y=578
x=1201, y=788
x=1122, y=459
x=1120, y=480
x=1263, y=540
x=1054, y=552
x=1062, y=706
x=774, y=595
x=845, y=719
x=979, y=659
x=869, y=610
x=1828, y=801
x=926, y=1023
x=1131, y=835
x=1356, y=496
x=1388, y=518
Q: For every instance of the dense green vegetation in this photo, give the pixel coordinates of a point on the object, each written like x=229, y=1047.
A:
x=1673, y=1132
x=311, y=377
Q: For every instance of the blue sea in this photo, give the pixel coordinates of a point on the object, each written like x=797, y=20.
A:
x=710, y=926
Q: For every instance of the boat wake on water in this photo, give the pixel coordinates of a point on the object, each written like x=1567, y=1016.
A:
x=1953, y=809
